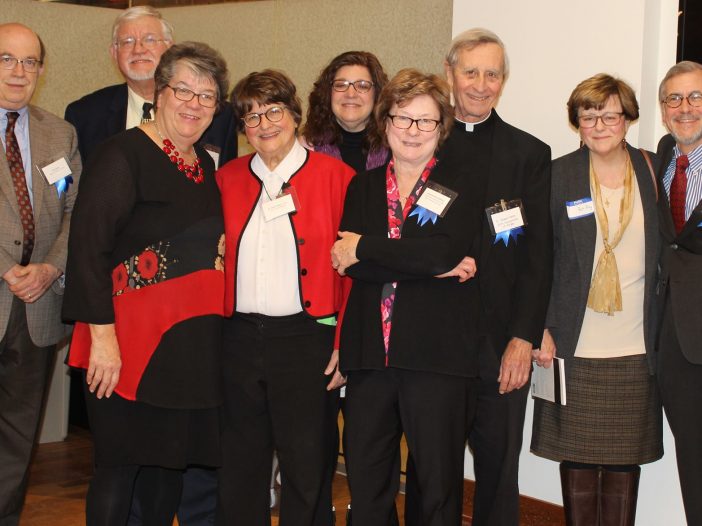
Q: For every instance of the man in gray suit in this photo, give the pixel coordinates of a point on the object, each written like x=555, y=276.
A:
x=38, y=180
x=680, y=287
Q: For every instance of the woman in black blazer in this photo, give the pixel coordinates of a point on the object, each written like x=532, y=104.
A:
x=409, y=340
x=601, y=315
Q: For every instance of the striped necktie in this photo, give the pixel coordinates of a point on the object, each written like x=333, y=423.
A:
x=14, y=162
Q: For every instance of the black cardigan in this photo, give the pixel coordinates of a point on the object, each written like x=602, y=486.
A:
x=435, y=321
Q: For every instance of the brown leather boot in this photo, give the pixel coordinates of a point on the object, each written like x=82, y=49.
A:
x=620, y=490
x=581, y=496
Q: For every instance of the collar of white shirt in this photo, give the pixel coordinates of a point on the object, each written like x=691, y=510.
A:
x=135, y=108
x=273, y=179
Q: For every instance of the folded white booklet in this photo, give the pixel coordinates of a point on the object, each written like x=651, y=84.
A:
x=549, y=384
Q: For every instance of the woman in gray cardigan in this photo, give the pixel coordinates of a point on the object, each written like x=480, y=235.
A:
x=600, y=317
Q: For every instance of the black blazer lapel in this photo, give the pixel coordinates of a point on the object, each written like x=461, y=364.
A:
x=117, y=118
x=665, y=154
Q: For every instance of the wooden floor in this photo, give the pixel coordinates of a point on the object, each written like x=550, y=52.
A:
x=61, y=471
x=59, y=481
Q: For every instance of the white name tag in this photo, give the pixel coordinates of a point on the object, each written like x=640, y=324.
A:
x=278, y=207
x=507, y=220
x=56, y=171
x=580, y=208
x=435, y=201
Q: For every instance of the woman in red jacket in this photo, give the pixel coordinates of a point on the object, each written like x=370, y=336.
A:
x=282, y=209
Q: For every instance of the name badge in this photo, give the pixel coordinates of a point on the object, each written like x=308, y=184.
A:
x=506, y=216
x=56, y=171
x=580, y=208
x=285, y=203
x=436, y=198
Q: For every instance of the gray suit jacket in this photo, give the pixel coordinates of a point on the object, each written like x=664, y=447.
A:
x=681, y=266
x=574, y=251
x=50, y=138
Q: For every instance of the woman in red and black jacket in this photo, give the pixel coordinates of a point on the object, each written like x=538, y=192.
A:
x=282, y=210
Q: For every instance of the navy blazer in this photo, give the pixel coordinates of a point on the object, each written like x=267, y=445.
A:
x=103, y=113
x=681, y=266
x=574, y=251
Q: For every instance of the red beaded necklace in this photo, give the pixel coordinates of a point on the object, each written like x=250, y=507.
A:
x=193, y=172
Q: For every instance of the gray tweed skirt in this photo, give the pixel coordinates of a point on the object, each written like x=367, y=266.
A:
x=613, y=414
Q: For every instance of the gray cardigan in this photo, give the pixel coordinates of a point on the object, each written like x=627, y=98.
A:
x=574, y=247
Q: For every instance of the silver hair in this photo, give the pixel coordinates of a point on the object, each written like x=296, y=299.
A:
x=686, y=66
x=142, y=11
x=472, y=38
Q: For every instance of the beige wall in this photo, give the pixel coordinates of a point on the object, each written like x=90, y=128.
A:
x=297, y=36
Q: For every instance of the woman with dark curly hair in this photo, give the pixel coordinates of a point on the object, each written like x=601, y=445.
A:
x=339, y=117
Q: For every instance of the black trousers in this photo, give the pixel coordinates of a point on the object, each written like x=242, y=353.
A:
x=24, y=376
x=496, y=442
x=275, y=398
x=430, y=408
x=681, y=391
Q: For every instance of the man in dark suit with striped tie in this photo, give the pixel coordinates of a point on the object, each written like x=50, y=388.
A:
x=140, y=35
x=680, y=287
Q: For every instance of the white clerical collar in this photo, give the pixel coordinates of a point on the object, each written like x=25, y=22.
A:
x=470, y=126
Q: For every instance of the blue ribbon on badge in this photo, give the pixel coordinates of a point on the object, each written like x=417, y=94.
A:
x=424, y=215
x=63, y=184
x=507, y=234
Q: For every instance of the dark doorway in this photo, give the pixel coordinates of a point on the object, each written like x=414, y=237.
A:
x=689, y=34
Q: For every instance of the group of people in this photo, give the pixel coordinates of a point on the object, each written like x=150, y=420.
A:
x=420, y=252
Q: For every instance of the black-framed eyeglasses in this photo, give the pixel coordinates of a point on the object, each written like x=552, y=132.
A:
x=208, y=100
x=30, y=65
x=674, y=100
x=608, y=119
x=273, y=114
x=405, y=123
x=361, y=86
x=148, y=42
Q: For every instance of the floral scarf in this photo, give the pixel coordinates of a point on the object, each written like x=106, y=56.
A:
x=396, y=218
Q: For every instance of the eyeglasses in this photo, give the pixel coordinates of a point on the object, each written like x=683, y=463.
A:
x=674, y=100
x=30, y=65
x=405, y=123
x=608, y=119
x=208, y=100
x=273, y=114
x=361, y=86
x=148, y=42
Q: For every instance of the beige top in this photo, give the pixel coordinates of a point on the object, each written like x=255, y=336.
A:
x=603, y=336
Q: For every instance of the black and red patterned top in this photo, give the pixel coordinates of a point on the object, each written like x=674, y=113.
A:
x=146, y=253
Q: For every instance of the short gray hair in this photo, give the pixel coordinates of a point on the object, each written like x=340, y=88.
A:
x=473, y=38
x=686, y=66
x=142, y=11
x=204, y=61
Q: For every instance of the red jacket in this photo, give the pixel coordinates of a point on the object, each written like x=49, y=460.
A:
x=321, y=188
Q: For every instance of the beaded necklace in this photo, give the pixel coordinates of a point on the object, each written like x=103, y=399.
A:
x=193, y=172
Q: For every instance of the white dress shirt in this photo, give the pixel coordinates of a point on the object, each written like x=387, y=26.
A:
x=267, y=279
x=135, y=109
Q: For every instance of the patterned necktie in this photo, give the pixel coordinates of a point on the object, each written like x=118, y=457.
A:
x=146, y=112
x=678, y=191
x=14, y=162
